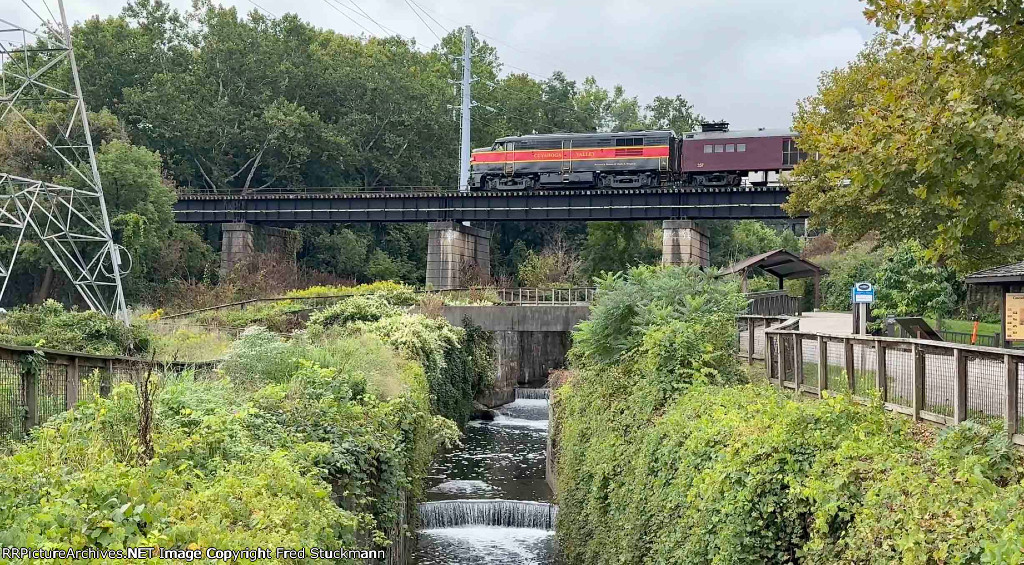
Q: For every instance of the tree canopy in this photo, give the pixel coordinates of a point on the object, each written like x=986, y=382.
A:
x=921, y=137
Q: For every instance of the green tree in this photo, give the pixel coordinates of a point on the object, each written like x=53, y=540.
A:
x=139, y=202
x=673, y=113
x=751, y=237
x=616, y=246
x=910, y=285
x=919, y=138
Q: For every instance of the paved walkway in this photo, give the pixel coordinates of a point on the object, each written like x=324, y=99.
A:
x=838, y=323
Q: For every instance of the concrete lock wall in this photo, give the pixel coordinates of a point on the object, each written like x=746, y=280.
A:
x=455, y=251
x=529, y=342
x=684, y=243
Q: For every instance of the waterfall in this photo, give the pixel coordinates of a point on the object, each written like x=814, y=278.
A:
x=506, y=513
x=533, y=393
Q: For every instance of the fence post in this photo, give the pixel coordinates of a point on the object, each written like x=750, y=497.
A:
x=107, y=382
x=849, y=363
x=881, y=376
x=960, y=386
x=750, y=341
x=918, y=401
x=72, y=384
x=798, y=362
x=783, y=359
x=822, y=366
x=768, y=345
x=1012, y=415
x=29, y=395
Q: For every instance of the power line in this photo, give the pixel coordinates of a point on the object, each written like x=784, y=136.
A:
x=348, y=17
x=494, y=39
x=407, y=3
x=385, y=28
x=271, y=14
x=420, y=6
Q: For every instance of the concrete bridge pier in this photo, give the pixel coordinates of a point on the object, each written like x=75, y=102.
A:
x=236, y=245
x=239, y=241
x=457, y=253
x=684, y=243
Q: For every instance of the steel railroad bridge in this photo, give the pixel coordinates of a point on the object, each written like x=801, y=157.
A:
x=453, y=246
x=666, y=203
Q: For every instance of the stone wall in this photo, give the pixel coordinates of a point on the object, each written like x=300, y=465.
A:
x=684, y=243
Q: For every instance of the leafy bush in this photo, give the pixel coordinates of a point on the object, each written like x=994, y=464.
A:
x=909, y=284
x=355, y=309
x=458, y=363
x=50, y=325
x=280, y=451
x=284, y=315
x=659, y=463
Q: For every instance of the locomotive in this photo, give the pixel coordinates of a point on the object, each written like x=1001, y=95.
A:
x=713, y=156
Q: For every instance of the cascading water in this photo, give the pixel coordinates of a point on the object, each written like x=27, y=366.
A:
x=488, y=501
x=504, y=513
x=533, y=393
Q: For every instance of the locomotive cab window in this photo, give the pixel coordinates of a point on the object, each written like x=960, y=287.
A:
x=629, y=146
x=791, y=154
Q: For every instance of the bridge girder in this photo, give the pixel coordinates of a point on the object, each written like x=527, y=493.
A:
x=548, y=205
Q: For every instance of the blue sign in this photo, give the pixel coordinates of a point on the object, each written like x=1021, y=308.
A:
x=863, y=293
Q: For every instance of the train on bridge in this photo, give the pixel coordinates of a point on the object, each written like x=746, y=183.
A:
x=713, y=156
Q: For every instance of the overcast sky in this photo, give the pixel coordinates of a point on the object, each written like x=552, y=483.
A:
x=745, y=61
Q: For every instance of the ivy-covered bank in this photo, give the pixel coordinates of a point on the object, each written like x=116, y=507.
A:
x=666, y=456
x=320, y=440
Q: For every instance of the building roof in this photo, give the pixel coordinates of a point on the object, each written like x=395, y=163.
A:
x=1003, y=274
x=780, y=263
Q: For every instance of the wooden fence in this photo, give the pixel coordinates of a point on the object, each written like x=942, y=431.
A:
x=772, y=303
x=750, y=330
x=940, y=382
x=36, y=384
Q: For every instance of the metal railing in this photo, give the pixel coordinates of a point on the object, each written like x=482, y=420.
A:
x=986, y=340
x=550, y=296
x=37, y=384
x=511, y=296
x=940, y=382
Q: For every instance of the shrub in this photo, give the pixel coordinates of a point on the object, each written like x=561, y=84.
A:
x=279, y=451
x=50, y=325
x=458, y=363
x=658, y=462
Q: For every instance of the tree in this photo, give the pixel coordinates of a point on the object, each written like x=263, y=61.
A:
x=910, y=285
x=751, y=237
x=616, y=246
x=674, y=114
x=919, y=138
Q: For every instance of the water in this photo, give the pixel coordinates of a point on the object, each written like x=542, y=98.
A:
x=488, y=501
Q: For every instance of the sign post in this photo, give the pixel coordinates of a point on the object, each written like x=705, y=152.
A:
x=861, y=295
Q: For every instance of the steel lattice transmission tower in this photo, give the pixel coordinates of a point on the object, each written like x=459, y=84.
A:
x=40, y=91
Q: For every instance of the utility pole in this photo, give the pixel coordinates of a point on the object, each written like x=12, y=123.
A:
x=467, y=102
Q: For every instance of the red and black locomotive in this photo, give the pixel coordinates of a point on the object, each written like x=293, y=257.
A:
x=713, y=156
